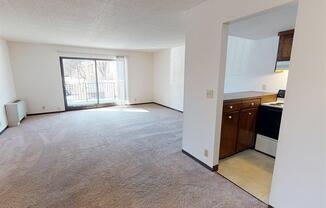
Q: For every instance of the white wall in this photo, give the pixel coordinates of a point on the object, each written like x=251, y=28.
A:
x=300, y=165
x=169, y=77
x=205, y=70
x=7, y=88
x=250, y=66
x=299, y=175
x=37, y=74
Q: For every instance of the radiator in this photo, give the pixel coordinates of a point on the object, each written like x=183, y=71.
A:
x=16, y=111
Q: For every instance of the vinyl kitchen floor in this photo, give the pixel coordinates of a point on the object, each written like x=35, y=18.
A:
x=250, y=170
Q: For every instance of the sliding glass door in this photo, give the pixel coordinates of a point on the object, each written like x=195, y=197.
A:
x=107, y=81
x=93, y=82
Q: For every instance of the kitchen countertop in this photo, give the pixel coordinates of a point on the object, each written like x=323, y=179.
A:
x=247, y=95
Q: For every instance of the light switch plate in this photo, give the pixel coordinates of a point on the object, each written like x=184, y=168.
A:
x=209, y=94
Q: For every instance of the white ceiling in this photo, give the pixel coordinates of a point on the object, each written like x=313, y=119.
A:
x=266, y=24
x=120, y=24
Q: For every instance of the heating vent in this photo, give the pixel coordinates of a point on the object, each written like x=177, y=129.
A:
x=16, y=111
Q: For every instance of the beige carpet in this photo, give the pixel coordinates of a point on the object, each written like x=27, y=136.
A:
x=112, y=157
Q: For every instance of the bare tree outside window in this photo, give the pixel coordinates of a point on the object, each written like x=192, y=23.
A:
x=90, y=81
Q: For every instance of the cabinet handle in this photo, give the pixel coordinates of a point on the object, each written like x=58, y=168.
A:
x=252, y=104
x=230, y=117
x=250, y=114
x=231, y=106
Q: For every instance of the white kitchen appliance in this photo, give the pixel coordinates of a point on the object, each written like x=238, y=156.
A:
x=268, y=125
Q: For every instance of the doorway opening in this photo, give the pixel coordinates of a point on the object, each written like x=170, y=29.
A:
x=256, y=71
x=90, y=83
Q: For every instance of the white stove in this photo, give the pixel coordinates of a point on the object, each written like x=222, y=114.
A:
x=269, y=121
x=279, y=103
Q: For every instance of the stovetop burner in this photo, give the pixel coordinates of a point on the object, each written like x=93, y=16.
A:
x=277, y=104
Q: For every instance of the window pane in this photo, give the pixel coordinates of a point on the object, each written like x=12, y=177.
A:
x=107, y=81
x=80, y=82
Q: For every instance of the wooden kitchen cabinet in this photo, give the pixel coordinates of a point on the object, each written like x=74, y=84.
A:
x=285, y=45
x=246, y=129
x=238, y=129
x=229, y=133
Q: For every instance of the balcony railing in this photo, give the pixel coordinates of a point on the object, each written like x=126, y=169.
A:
x=86, y=93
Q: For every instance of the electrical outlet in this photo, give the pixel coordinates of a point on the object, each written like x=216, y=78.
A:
x=206, y=153
x=264, y=87
x=209, y=94
x=43, y=107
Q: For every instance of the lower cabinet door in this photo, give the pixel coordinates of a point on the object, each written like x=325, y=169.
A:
x=229, y=133
x=246, y=131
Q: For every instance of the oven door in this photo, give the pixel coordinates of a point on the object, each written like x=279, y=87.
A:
x=269, y=121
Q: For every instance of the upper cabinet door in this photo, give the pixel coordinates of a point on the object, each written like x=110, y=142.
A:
x=285, y=45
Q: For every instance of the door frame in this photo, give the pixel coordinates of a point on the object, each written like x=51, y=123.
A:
x=98, y=105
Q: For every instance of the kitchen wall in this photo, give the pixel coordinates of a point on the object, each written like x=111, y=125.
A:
x=250, y=65
x=169, y=77
x=37, y=74
x=300, y=171
x=7, y=88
